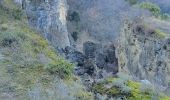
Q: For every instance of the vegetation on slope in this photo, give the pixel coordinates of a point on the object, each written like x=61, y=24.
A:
x=132, y=2
x=31, y=69
x=124, y=87
x=154, y=9
x=26, y=59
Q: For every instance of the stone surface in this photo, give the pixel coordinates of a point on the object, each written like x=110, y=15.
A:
x=143, y=55
x=49, y=17
x=138, y=51
x=95, y=60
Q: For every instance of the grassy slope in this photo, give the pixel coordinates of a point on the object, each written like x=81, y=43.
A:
x=106, y=87
x=26, y=59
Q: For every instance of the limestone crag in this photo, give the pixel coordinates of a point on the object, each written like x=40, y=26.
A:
x=49, y=17
x=94, y=60
x=86, y=32
x=142, y=54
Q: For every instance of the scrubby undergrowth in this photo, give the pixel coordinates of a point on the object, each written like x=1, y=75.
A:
x=154, y=9
x=27, y=59
x=31, y=69
x=123, y=87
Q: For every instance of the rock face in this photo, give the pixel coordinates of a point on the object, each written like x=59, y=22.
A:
x=99, y=20
x=89, y=27
x=49, y=17
x=144, y=55
x=95, y=59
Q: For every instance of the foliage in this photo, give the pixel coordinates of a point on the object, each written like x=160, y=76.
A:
x=151, y=7
x=27, y=57
x=11, y=9
x=146, y=88
x=30, y=48
x=117, y=87
x=29, y=45
x=124, y=77
x=154, y=9
x=132, y=2
x=129, y=89
x=160, y=33
x=126, y=90
x=61, y=67
x=101, y=97
x=17, y=13
x=4, y=27
x=165, y=16
x=59, y=90
x=121, y=83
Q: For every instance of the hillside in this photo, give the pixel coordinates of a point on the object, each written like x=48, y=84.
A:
x=30, y=67
x=84, y=50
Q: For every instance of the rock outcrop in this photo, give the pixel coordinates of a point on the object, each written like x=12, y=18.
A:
x=95, y=59
x=84, y=30
x=49, y=17
x=143, y=54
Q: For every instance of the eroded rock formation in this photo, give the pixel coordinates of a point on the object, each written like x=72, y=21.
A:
x=142, y=54
x=86, y=32
x=49, y=17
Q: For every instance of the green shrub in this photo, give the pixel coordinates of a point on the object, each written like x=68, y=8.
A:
x=60, y=90
x=8, y=39
x=61, y=67
x=151, y=7
x=128, y=89
x=132, y=2
x=23, y=64
x=101, y=97
x=4, y=27
x=146, y=88
x=121, y=83
x=10, y=8
x=124, y=77
x=118, y=83
x=165, y=16
x=17, y=13
x=160, y=33
x=125, y=89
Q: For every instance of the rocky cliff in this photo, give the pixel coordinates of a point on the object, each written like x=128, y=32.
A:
x=92, y=32
x=49, y=17
x=143, y=53
x=102, y=38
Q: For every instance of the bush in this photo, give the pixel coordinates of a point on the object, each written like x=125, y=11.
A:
x=60, y=90
x=132, y=2
x=160, y=33
x=4, y=27
x=151, y=7
x=165, y=16
x=125, y=90
x=124, y=77
x=118, y=83
x=17, y=13
x=101, y=97
x=8, y=39
x=61, y=67
x=146, y=88
x=122, y=85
